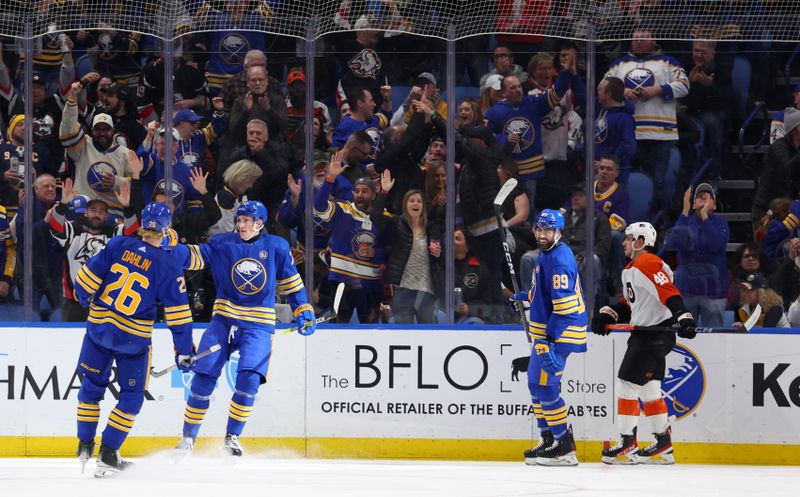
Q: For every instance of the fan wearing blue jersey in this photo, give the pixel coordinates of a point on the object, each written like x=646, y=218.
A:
x=122, y=286
x=557, y=326
x=250, y=269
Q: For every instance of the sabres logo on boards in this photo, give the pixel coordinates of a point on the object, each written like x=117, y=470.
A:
x=524, y=128
x=248, y=276
x=94, y=176
x=684, y=382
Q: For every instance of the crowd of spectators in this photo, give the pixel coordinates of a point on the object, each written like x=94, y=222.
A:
x=379, y=168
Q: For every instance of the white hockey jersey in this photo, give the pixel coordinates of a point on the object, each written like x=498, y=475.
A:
x=655, y=118
x=647, y=284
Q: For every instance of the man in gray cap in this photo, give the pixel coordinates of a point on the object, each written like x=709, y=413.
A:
x=425, y=90
x=701, y=238
x=780, y=173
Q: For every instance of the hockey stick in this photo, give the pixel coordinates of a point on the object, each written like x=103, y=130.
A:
x=337, y=299
x=747, y=326
x=499, y=199
x=211, y=350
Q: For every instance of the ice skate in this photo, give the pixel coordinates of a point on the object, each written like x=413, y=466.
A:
x=532, y=454
x=559, y=453
x=85, y=452
x=109, y=463
x=184, y=449
x=660, y=451
x=232, y=447
x=622, y=453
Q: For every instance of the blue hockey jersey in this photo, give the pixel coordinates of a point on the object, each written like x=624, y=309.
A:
x=122, y=286
x=249, y=275
x=357, y=246
x=373, y=127
x=526, y=120
x=558, y=313
x=184, y=196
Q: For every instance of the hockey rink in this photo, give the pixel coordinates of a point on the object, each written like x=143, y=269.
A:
x=210, y=476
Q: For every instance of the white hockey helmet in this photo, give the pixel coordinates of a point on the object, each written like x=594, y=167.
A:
x=644, y=230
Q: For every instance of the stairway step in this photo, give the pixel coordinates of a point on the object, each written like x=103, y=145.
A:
x=736, y=216
x=736, y=184
x=751, y=149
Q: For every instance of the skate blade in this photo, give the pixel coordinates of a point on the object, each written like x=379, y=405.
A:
x=106, y=472
x=629, y=460
x=180, y=456
x=658, y=459
x=531, y=461
x=83, y=466
x=568, y=460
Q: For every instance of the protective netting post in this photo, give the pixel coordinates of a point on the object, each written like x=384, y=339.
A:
x=308, y=179
x=27, y=239
x=450, y=187
x=169, y=153
x=590, y=158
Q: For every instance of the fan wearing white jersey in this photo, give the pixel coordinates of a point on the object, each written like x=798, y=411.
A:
x=649, y=298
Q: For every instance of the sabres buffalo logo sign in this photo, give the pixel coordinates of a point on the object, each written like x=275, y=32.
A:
x=248, y=276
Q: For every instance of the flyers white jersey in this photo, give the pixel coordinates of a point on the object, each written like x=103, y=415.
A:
x=647, y=284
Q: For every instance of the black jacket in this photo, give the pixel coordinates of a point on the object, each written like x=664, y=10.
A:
x=273, y=160
x=400, y=238
x=478, y=181
x=780, y=176
x=575, y=234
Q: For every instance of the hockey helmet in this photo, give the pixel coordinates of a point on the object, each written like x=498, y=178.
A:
x=550, y=219
x=254, y=209
x=156, y=217
x=644, y=230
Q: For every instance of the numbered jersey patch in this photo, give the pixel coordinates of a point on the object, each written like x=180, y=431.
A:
x=648, y=284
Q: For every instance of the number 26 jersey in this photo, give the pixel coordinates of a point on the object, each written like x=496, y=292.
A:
x=647, y=284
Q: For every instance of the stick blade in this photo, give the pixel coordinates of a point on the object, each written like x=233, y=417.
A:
x=337, y=298
x=505, y=191
x=753, y=319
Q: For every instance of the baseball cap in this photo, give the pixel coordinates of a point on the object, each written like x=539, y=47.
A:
x=186, y=115
x=78, y=203
x=321, y=158
x=175, y=134
x=426, y=78
x=705, y=187
x=755, y=282
x=495, y=82
x=103, y=119
x=365, y=181
x=38, y=78
x=295, y=76
x=791, y=118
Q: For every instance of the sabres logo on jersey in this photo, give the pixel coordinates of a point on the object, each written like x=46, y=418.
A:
x=233, y=47
x=90, y=248
x=248, y=276
x=375, y=134
x=364, y=245
x=190, y=158
x=365, y=64
x=600, y=129
x=177, y=192
x=554, y=119
x=684, y=383
x=524, y=128
x=638, y=78
x=94, y=176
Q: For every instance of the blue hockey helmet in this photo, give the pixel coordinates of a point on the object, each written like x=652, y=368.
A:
x=156, y=217
x=254, y=209
x=550, y=218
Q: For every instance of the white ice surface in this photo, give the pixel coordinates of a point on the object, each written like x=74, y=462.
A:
x=255, y=475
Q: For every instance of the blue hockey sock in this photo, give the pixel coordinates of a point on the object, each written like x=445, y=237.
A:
x=88, y=417
x=197, y=405
x=247, y=383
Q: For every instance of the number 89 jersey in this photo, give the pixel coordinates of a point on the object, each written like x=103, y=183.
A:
x=647, y=284
x=558, y=313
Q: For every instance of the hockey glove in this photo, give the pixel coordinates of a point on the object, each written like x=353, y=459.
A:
x=606, y=316
x=687, y=325
x=547, y=354
x=306, y=323
x=185, y=362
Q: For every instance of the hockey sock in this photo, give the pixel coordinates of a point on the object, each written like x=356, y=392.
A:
x=554, y=409
x=656, y=412
x=88, y=417
x=197, y=404
x=119, y=425
x=247, y=383
x=537, y=411
x=655, y=408
x=628, y=406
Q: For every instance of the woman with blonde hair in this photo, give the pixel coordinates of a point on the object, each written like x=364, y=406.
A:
x=778, y=225
x=239, y=177
x=755, y=291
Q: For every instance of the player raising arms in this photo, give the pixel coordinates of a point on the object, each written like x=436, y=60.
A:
x=649, y=298
x=122, y=286
x=249, y=270
x=557, y=326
